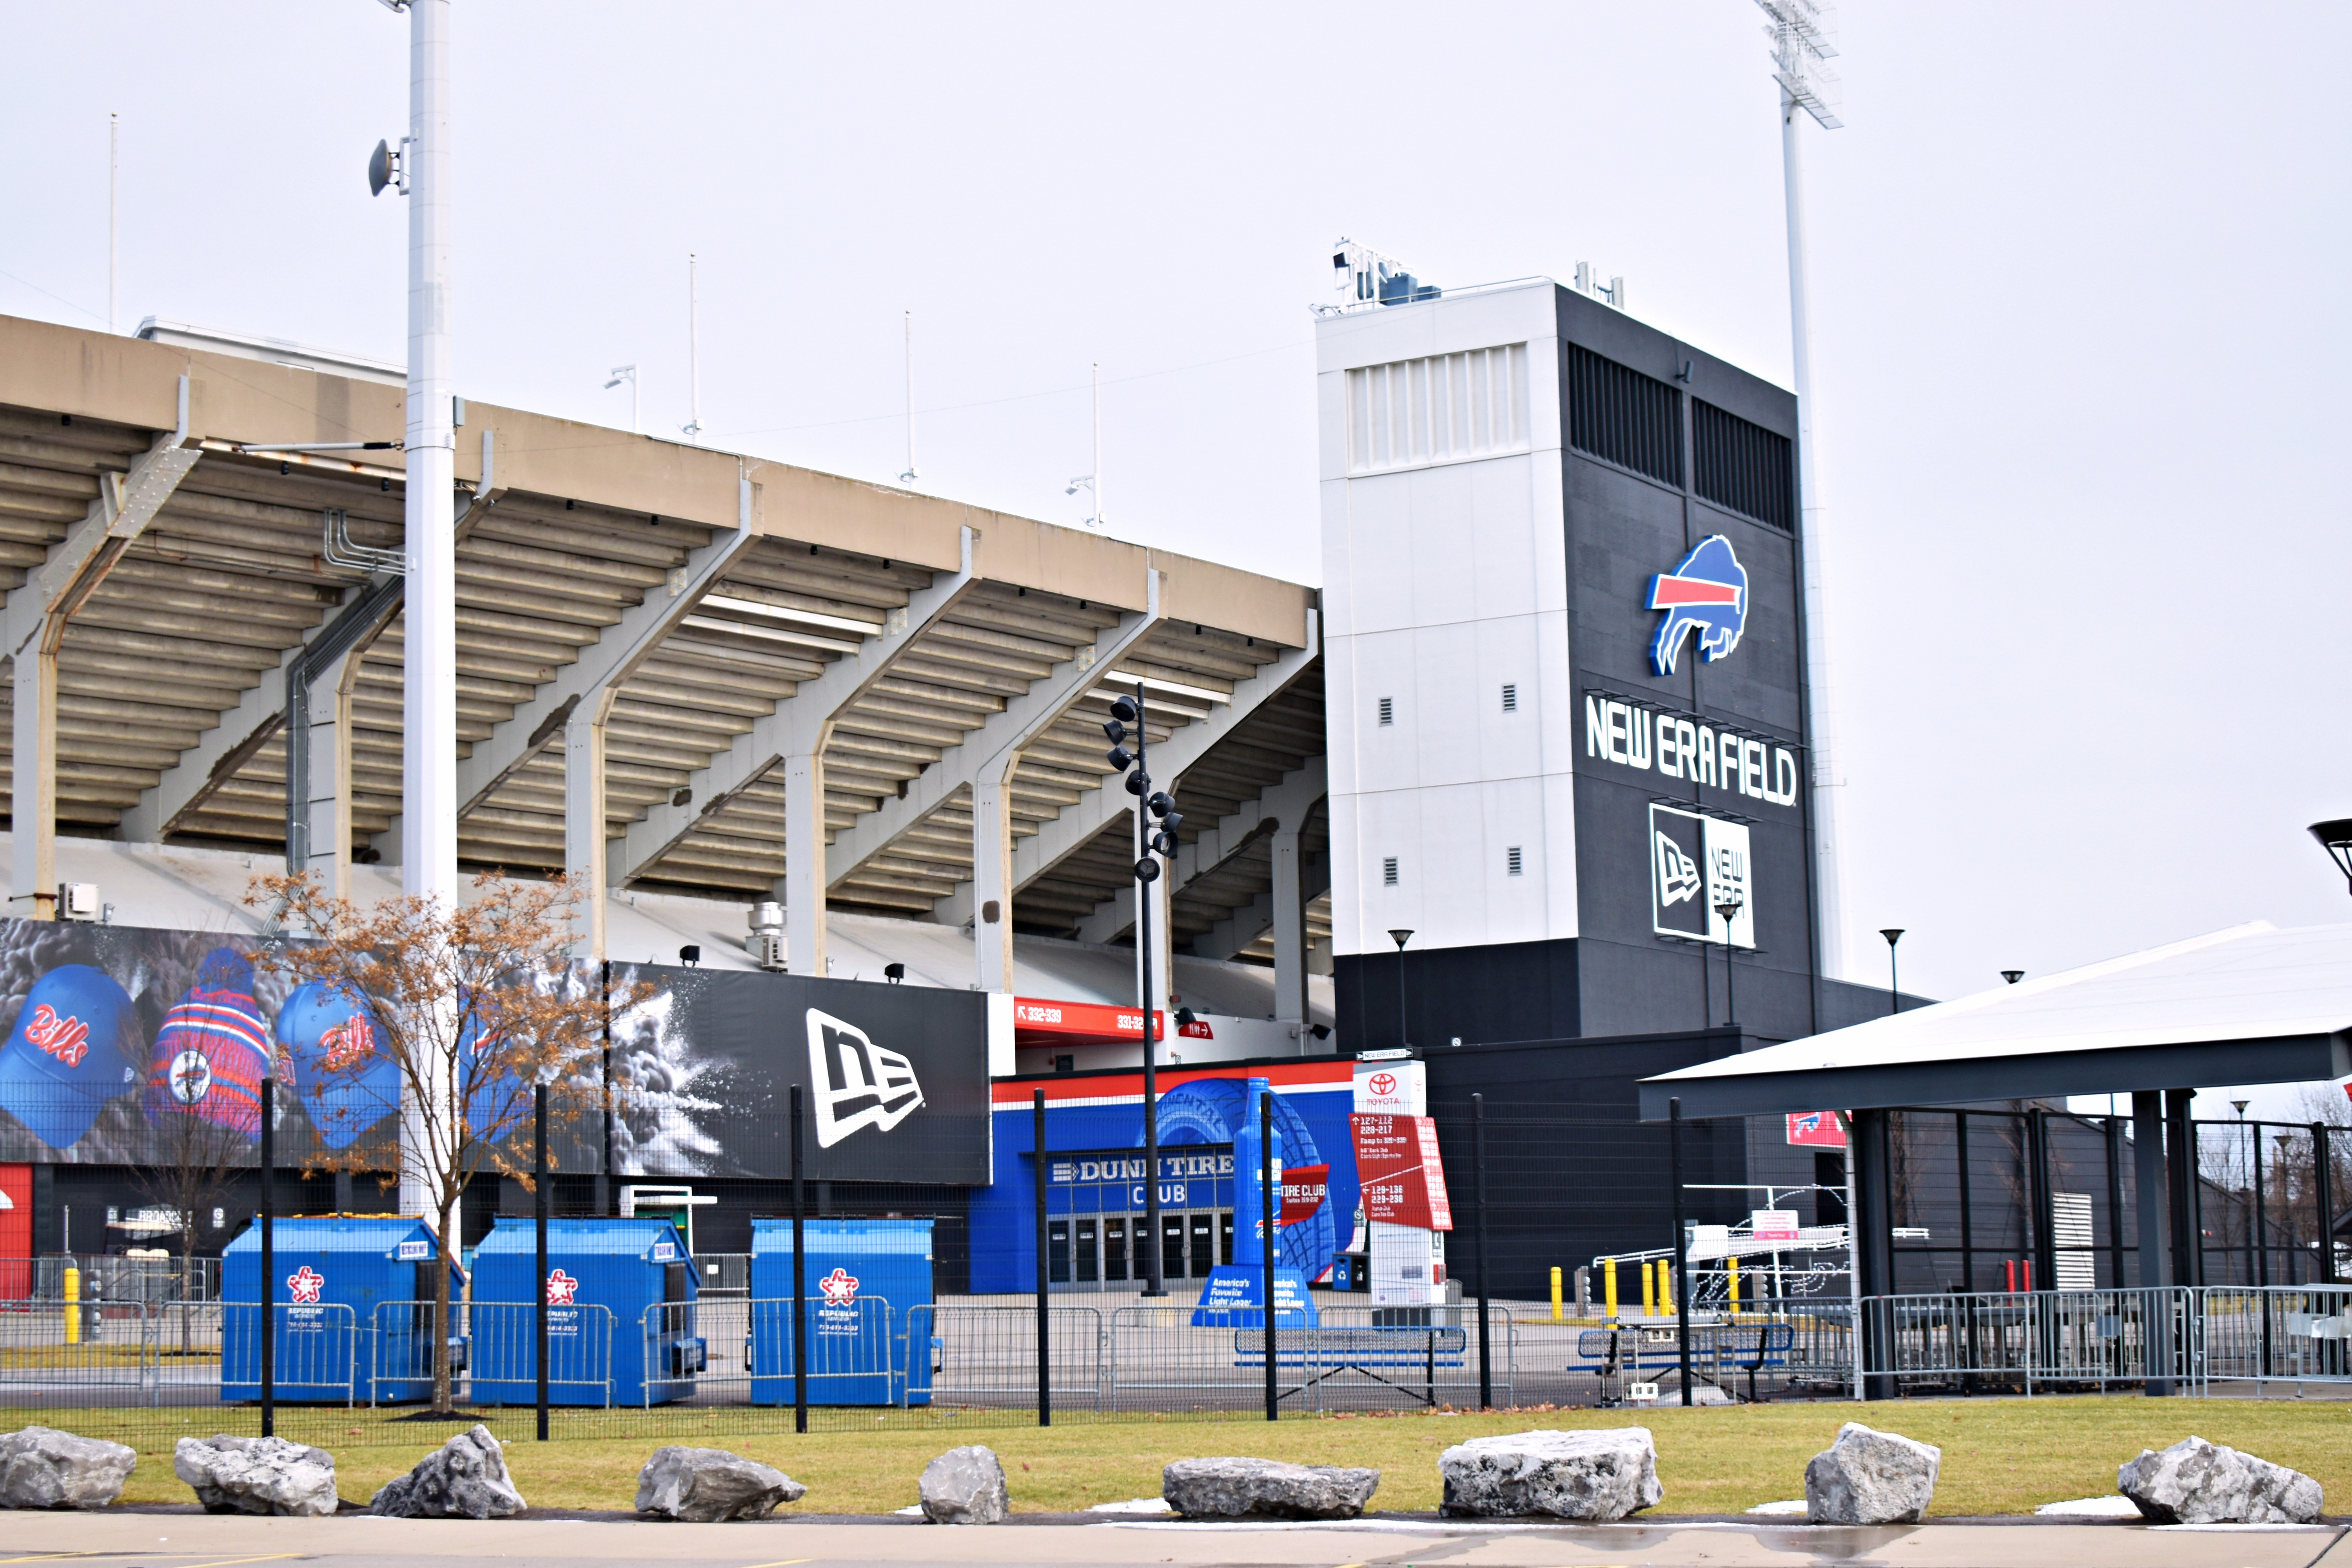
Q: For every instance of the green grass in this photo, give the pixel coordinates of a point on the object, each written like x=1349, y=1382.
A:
x=2001, y=1456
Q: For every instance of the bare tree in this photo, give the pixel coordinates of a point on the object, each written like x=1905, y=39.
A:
x=474, y=1006
x=193, y=1161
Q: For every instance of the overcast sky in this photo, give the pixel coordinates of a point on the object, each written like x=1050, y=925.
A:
x=2078, y=276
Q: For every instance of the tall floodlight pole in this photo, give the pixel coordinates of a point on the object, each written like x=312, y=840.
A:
x=693, y=430
x=113, y=221
x=912, y=473
x=429, y=648
x=1802, y=47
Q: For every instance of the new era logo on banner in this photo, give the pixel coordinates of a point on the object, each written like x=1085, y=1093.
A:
x=858, y=1083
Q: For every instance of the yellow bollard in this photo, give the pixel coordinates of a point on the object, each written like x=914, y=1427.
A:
x=1666, y=1289
x=1648, y=1292
x=1555, y=1315
x=73, y=1305
x=1731, y=1268
x=1609, y=1286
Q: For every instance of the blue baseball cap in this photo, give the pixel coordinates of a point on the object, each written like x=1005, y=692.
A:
x=326, y=1040
x=66, y=1056
x=213, y=1050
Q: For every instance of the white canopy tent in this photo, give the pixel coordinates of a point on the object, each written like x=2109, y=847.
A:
x=2250, y=1003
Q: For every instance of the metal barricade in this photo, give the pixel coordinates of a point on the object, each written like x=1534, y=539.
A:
x=2278, y=1333
x=54, y=1353
x=502, y=1344
x=2075, y=1338
x=319, y=1352
x=987, y=1356
x=856, y=1352
x=675, y=1339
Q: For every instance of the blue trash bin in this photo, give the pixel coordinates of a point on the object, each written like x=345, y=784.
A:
x=868, y=1317
x=334, y=1330
x=621, y=1297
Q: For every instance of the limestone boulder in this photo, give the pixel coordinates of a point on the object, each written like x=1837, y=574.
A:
x=257, y=1475
x=2197, y=1482
x=465, y=1478
x=1870, y=1478
x=1597, y=1475
x=41, y=1467
x=1265, y=1488
x=709, y=1485
x=966, y=1486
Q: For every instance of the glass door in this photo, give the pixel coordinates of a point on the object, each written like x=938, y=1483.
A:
x=1204, y=1242
x=1114, y=1250
x=1057, y=1252
x=1082, y=1254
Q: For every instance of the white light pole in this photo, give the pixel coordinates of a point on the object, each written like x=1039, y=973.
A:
x=693, y=428
x=1800, y=49
x=1094, y=481
x=912, y=473
x=428, y=866
x=113, y=221
x=627, y=373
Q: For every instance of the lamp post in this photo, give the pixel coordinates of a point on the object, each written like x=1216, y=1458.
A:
x=2012, y=975
x=1894, y=992
x=1728, y=909
x=2335, y=838
x=1152, y=846
x=1401, y=936
x=628, y=372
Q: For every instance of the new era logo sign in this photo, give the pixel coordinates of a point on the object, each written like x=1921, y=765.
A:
x=858, y=1084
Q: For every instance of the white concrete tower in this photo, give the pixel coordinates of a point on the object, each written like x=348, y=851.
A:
x=1449, y=702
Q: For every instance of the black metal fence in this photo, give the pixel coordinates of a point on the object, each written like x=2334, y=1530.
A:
x=2015, y=1231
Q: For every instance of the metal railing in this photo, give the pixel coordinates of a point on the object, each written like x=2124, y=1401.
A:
x=318, y=1352
x=501, y=1340
x=987, y=1356
x=2284, y=1333
x=856, y=1351
x=1355, y=1358
x=2075, y=1338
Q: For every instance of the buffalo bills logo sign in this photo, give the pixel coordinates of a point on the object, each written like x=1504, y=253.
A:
x=1708, y=593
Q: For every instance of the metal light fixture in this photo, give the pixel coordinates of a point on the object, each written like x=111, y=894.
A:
x=1728, y=909
x=896, y=974
x=2012, y=975
x=1153, y=843
x=2335, y=838
x=1400, y=936
x=1894, y=992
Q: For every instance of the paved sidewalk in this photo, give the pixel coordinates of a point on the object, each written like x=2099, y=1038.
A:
x=126, y=1539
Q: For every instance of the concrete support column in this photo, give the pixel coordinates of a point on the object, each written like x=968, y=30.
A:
x=33, y=789
x=991, y=876
x=804, y=863
x=1289, y=933
x=2154, y=1241
x=584, y=827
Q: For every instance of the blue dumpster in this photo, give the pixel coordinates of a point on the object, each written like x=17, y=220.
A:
x=868, y=1317
x=621, y=1313
x=342, y=1309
